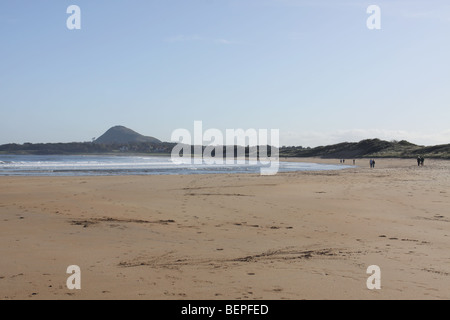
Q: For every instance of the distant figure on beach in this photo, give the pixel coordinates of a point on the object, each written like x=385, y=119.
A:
x=418, y=160
x=343, y=160
x=422, y=159
x=372, y=163
x=340, y=160
x=353, y=161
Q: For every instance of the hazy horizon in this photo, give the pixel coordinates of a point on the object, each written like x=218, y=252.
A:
x=164, y=141
x=311, y=69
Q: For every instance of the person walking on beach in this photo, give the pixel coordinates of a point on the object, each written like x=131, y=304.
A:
x=418, y=161
x=371, y=163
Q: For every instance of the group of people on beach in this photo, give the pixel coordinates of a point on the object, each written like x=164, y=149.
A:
x=343, y=161
x=420, y=160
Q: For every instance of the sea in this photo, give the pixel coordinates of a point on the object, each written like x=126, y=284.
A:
x=103, y=165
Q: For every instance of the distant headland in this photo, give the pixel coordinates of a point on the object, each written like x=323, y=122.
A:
x=120, y=140
x=123, y=135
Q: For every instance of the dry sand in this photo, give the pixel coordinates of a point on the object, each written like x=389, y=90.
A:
x=303, y=235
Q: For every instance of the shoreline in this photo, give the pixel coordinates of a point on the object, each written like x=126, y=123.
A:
x=142, y=166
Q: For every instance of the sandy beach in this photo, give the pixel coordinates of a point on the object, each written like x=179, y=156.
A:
x=301, y=235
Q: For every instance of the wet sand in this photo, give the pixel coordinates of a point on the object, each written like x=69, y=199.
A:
x=302, y=235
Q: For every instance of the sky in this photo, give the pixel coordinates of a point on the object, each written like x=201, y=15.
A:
x=312, y=69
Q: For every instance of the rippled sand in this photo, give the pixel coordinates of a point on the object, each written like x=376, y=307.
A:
x=305, y=235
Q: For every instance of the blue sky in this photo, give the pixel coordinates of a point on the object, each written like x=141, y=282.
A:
x=311, y=69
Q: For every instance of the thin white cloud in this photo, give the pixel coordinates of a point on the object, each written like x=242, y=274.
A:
x=224, y=41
